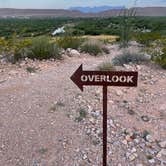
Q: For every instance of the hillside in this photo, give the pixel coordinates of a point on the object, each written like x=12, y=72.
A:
x=6, y=12
x=96, y=9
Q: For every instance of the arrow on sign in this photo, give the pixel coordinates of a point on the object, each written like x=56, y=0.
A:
x=104, y=78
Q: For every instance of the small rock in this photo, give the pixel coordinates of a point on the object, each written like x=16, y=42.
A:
x=84, y=157
x=131, y=112
x=162, y=155
x=151, y=161
x=128, y=138
x=162, y=144
x=145, y=118
x=147, y=56
x=111, y=123
x=136, y=141
x=72, y=52
x=133, y=150
x=162, y=107
x=138, y=67
x=119, y=93
x=124, y=142
x=132, y=157
x=13, y=72
x=127, y=66
x=149, y=138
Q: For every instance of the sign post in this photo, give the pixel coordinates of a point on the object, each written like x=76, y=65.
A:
x=104, y=78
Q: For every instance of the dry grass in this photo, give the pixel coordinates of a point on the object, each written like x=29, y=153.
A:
x=106, y=66
x=107, y=38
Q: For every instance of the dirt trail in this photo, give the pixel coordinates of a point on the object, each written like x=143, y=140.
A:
x=28, y=131
x=37, y=112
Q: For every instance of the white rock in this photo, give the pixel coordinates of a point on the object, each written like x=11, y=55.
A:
x=162, y=154
x=150, y=139
x=133, y=156
x=119, y=93
x=152, y=161
x=147, y=56
x=73, y=52
x=127, y=66
x=162, y=107
x=124, y=142
x=138, y=67
x=133, y=150
x=84, y=157
x=162, y=144
x=111, y=123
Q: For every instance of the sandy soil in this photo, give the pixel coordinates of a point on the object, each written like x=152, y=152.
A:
x=38, y=113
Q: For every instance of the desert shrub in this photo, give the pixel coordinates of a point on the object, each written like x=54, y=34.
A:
x=20, y=49
x=161, y=59
x=82, y=115
x=91, y=48
x=3, y=44
x=105, y=49
x=42, y=48
x=106, y=66
x=69, y=42
x=31, y=69
x=147, y=38
x=12, y=47
x=128, y=57
x=94, y=47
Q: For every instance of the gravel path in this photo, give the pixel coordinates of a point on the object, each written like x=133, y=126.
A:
x=46, y=121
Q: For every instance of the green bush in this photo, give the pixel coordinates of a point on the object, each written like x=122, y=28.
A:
x=94, y=47
x=82, y=115
x=69, y=42
x=147, y=38
x=91, y=48
x=31, y=69
x=105, y=50
x=106, y=66
x=42, y=48
x=161, y=59
x=127, y=58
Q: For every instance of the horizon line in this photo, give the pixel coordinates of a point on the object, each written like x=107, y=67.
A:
x=81, y=6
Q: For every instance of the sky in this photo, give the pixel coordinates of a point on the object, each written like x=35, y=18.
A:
x=63, y=4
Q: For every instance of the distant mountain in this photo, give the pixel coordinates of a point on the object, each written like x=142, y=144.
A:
x=54, y=13
x=96, y=9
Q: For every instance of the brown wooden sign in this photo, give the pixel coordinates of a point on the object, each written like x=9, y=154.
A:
x=104, y=78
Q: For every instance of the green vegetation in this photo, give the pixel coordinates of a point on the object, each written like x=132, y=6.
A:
x=161, y=59
x=42, y=48
x=147, y=38
x=69, y=42
x=31, y=69
x=92, y=48
x=80, y=26
x=127, y=57
x=20, y=38
x=30, y=27
x=82, y=115
x=106, y=66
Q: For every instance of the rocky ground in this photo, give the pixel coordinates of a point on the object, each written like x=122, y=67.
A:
x=46, y=121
